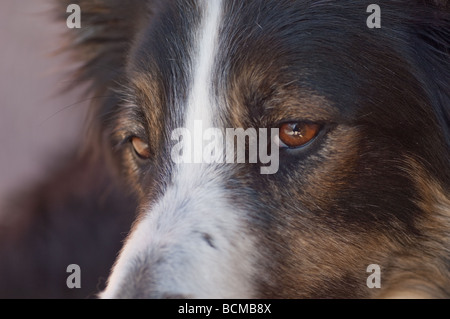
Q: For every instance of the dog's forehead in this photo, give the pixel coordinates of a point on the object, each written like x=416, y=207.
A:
x=253, y=39
x=255, y=60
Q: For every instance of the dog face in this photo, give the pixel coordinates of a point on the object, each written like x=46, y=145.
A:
x=362, y=146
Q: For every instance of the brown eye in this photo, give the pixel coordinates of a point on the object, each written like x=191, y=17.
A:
x=297, y=134
x=140, y=147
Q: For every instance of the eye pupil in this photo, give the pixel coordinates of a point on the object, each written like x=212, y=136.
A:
x=297, y=134
x=295, y=131
x=140, y=147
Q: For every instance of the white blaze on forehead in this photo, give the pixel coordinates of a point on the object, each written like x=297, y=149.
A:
x=200, y=102
x=194, y=208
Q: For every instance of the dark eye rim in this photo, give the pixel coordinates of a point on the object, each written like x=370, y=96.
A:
x=324, y=129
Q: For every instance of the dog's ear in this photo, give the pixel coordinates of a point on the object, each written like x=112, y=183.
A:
x=99, y=47
x=98, y=52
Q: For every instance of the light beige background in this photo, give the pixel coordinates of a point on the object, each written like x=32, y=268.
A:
x=36, y=123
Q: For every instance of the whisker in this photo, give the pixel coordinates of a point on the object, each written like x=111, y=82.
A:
x=73, y=104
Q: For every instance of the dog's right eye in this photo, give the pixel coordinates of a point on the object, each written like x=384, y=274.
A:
x=140, y=147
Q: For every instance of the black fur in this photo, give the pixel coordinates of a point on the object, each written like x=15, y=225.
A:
x=388, y=95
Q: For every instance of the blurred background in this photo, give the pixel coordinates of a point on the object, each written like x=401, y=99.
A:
x=36, y=123
x=57, y=207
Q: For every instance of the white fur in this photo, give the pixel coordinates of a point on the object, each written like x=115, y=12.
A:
x=195, y=204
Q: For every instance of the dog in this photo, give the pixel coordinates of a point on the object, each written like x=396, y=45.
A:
x=363, y=145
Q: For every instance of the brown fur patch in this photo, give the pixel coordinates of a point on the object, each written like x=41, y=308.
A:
x=424, y=272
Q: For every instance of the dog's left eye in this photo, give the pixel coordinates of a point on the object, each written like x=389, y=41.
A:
x=297, y=134
x=140, y=147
